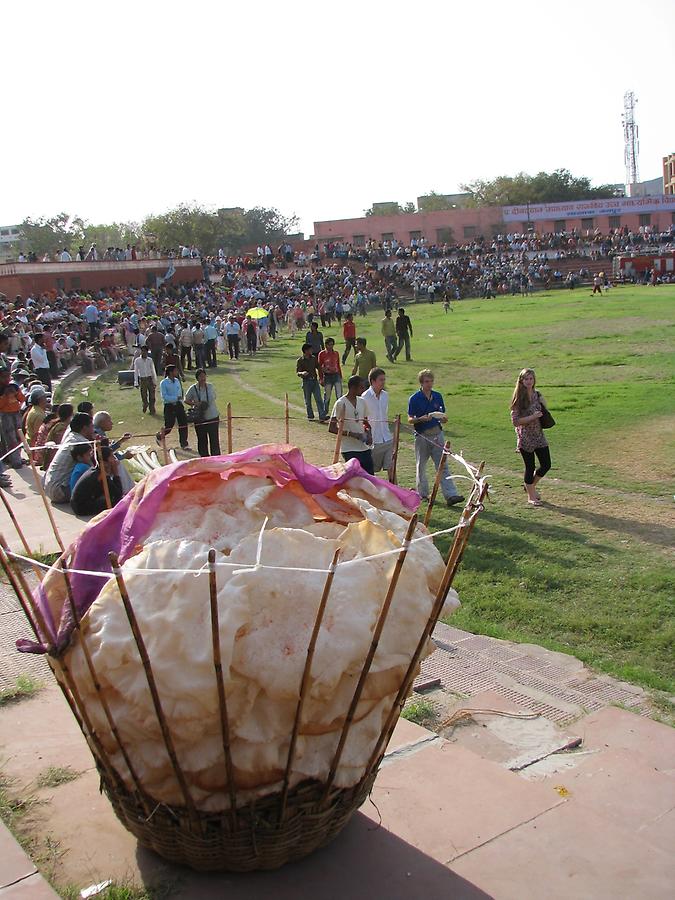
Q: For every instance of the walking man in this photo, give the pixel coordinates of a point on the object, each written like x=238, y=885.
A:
x=349, y=334
x=330, y=373
x=350, y=411
x=404, y=332
x=185, y=344
x=426, y=413
x=155, y=341
x=145, y=378
x=314, y=337
x=233, y=334
x=307, y=369
x=377, y=409
x=211, y=336
x=365, y=361
x=389, y=335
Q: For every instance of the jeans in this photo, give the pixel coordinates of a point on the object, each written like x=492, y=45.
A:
x=207, y=436
x=211, y=359
x=365, y=457
x=186, y=354
x=403, y=339
x=175, y=412
x=147, y=386
x=390, y=344
x=544, y=457
x=350, y=344
x=200, y=355
x=233, y=345
x=310, y=388
x=429, y=444
x=45, y=377
x=331, y=383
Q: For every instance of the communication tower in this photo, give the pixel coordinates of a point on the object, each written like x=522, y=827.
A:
x=630, y=138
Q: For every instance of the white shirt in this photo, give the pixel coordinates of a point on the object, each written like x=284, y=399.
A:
x=144, y=368
x=232, y=328
x=353, y=421
x=378, y=413
x=39, y=357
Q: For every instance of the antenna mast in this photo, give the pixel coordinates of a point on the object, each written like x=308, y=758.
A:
x=630, y=138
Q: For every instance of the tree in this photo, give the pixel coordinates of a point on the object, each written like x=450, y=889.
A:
x=49, y=235
x=544, y=187
x=117, y=234
x=266, y=224
x=390, y=209
x=433, y=201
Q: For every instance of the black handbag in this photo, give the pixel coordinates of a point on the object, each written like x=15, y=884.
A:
x=195, y=414
x=547, y=420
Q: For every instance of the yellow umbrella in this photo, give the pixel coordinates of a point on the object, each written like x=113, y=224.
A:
x=257, y=312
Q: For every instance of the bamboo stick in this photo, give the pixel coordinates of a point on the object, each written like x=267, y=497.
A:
x=165, y=452
x=287, y=417
x=338, y=439
x=41, y=490
x=454, y=557
x=17, y=527
x=304, y=683
x=394, y=455
x=437, y=482
x=157, y=703
x=222, y=702
x=28, y=602
x=382, y=618
x=102, y=474
x=229, y=428
x=9, y=572
x=99, y=693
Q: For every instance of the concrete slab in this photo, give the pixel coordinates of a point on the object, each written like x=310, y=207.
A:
x=421, y=796
x=14, y=864
x=32, y=888
x=620, y=787
x=408, y=734
x=618, y=729
x=568, y=852
x=32, y=517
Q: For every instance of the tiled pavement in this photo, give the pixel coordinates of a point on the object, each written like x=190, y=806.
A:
x=556, y=686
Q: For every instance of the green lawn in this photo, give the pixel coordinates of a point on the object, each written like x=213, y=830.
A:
x=590, y=574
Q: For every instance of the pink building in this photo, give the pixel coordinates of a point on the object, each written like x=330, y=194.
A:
x=461, y=225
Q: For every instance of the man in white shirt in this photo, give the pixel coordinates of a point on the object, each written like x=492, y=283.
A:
x=40, y=361
x=233, y=333
x=377, y=408
x=351, y=412
x=64, y=256
x=145, y=378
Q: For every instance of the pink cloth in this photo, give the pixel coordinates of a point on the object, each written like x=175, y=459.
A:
x=127, y=524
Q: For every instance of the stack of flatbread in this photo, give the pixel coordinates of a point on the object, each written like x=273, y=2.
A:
x=266, y=613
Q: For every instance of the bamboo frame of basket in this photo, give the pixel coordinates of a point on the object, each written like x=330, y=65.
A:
x=276, y=828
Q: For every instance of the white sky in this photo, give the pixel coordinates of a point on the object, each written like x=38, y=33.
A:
x=116, y=110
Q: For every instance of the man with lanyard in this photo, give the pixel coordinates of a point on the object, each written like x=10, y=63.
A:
x=426, y=413
x=172, y=394
x=377, y=409
x=404, y=332
x=233, y=334
x=351, y=413
x=330, y=373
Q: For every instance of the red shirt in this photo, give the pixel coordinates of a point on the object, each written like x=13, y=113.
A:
x=329, y=363
x=349, y=329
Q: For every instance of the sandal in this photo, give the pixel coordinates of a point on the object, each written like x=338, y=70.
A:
x=534, y=503
x=538, y=496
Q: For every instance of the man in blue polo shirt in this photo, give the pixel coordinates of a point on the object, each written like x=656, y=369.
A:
x=426, y=413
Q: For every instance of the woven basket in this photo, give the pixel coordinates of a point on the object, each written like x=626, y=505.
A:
x=274, y=829
x=257, y=841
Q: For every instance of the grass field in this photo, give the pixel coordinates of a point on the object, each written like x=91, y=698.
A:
x=591, y=573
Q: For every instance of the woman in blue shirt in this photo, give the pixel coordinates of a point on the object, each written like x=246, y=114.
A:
x=171, y=390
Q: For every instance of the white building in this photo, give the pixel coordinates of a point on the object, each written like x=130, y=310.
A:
x=9, y=241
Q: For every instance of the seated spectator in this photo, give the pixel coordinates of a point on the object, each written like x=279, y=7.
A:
x=57, y=478
x=41, y=457
x=87, y=496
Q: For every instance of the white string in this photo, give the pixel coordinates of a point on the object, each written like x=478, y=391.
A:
x=242, y=567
